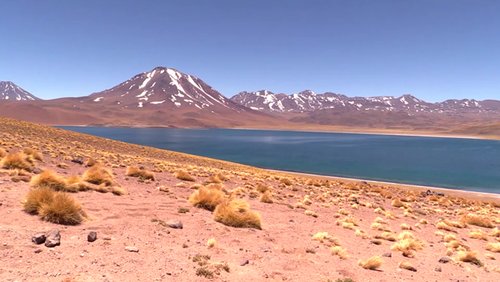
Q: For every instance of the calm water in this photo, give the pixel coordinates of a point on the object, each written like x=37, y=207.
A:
x=444, y=162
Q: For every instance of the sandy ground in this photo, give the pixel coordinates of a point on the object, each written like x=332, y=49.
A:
x=283, y=250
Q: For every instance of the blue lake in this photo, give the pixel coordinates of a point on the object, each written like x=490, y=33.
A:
x=465, y=164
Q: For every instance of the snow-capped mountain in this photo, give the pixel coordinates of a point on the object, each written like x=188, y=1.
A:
x=165, y=88
x=308, y=101
x=9, y=91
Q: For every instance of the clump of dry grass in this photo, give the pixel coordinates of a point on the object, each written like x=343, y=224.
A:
x=266, y=197
x=36, y=198
x=442, y=225
x=62, y=210
x=184, y=175
x=468, y=256
x=207, y=198
x=407, y=265
x=52, y=206
x=32, y=153
x=3, y=153
x=493, y=247
x=211, y=243
x=397, y=203
x=478, y=234
x=477, y=220
x=49, y=179
x=495, y=232
x=237, y=213
x=324, y=236
x=16, y=161
x=286, y=181
x=339, y=251
x=372, y=263
x=98, y=175
x=140, y=172
x=406, y=243
x=388, y=236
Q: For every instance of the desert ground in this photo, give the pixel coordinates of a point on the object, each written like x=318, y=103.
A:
x=132, y=213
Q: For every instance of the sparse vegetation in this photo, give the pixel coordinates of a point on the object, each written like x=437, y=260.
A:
x=372, y=263
x=207, y=198
x=52, y=206
x=184, y=175
x=98, y=175
x=477, y=220
x=141, y=173
x=16, y=161
x=237, y=213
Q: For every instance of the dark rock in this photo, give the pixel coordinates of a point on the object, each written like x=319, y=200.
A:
x=53, y=238
x=36, y=170
x=38, y=238
x=92, y=236
x=244, y=262
x=387, y=255
x=176, y=224
x=444, y=260
x=437, y=269
x=37, y=251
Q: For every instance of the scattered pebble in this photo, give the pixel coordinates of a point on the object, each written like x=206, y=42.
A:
x=92, y=236
x=176, y=224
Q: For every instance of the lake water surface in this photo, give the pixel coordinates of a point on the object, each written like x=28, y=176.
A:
x=465, y=164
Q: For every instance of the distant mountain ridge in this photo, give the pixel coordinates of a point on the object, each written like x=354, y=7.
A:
x=11, y=92
x=166, y=97
x=308, y=101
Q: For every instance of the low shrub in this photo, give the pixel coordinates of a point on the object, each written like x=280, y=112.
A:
x=207, y=198
x=237, y=213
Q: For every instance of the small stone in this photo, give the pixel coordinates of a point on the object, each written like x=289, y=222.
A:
x=437, y=269
x=388, y=255
x=244, y=262
x=92, y=236
x=53, y=238
x=444, y=260
x=132, y=249
x=176, y=224
x=38, y=238
x=37, y=251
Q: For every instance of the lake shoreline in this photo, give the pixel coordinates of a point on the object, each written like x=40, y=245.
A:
x=484, y=196
x=305, y=130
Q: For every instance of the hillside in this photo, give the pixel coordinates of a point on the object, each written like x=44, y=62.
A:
x=296, y=227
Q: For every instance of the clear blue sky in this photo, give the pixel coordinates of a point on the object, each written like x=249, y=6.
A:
x=434, y=49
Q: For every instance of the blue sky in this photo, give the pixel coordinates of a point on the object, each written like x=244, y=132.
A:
x=434, y=49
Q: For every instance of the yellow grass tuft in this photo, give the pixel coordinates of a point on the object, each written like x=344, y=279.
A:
x=62, y=210
x=449, y=238
x=388, y=236
x=16, y=161
x=397, y=203
x=33, y=154
x=495, y=232
x=3, y=153
x=286, y=181
x=493, y=247
x=339, y=251
x=184, y=175
x=407, y=265
x=98, y=175
x=478, y=234
x=49, y=179
x=442, y=225
x=468, y=256
x=36, y=198
x=266, y=197
x=372, y=263
x=237, y=213
x=206, y=198
x=55, y=207
x=477, y=220
x=211, y=243
x=406, y=243
x=141, y=173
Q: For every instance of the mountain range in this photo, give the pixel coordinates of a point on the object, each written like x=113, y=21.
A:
x=166, y=97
